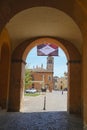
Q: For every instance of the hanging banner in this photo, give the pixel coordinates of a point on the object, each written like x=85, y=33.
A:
x=47, y=50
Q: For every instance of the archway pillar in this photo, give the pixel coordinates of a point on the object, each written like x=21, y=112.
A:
x=74, y=85
x=5, y=55
x=17, y=86
x=85, y=82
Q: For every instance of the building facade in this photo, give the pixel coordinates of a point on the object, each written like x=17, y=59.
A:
x=41, y=77
x=60, y=83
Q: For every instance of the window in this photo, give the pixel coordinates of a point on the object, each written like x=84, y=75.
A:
x=49, y=78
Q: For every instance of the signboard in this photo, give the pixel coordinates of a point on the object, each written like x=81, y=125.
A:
x=47, y=50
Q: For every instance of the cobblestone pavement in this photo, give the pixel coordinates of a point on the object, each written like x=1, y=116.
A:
x=35, y=118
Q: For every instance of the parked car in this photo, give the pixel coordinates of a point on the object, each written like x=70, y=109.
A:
x=65, y=89
x=32, y=90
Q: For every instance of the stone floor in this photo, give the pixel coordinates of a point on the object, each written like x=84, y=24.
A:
x=55, y=117
x=40, y=121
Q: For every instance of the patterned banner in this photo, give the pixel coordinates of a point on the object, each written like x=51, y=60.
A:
x=47, y=50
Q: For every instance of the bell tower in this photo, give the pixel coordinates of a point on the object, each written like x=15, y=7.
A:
x=50, y=63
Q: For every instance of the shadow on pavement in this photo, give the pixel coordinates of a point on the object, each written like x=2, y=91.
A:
x=40, y=121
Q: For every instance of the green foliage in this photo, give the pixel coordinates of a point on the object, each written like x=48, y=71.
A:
x=28, y=78
x=31, y=94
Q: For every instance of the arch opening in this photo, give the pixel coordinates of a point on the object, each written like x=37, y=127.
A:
x=42, y=79
x=74, y=68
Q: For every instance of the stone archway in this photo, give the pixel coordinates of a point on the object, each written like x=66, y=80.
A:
x=76, y=9
x=74, y=69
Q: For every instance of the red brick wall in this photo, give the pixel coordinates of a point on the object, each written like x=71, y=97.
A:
x=38, y=76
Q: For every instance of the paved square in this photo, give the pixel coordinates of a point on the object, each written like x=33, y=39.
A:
x=55, y=101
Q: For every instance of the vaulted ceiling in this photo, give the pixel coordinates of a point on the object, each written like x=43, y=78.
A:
x=43, y=21
x=37, y=18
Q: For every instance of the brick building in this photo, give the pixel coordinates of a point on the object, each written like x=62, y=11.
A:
x=41, y=77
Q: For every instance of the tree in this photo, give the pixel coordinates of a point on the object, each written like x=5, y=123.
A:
x=28, y=78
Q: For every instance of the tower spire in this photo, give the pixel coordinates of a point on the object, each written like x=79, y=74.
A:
x=50, y=63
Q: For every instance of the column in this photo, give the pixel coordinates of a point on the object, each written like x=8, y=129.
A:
x=84, y=89
x=16, y=86
x=74, y=87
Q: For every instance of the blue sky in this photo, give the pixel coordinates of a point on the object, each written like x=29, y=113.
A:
x=59, y=61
